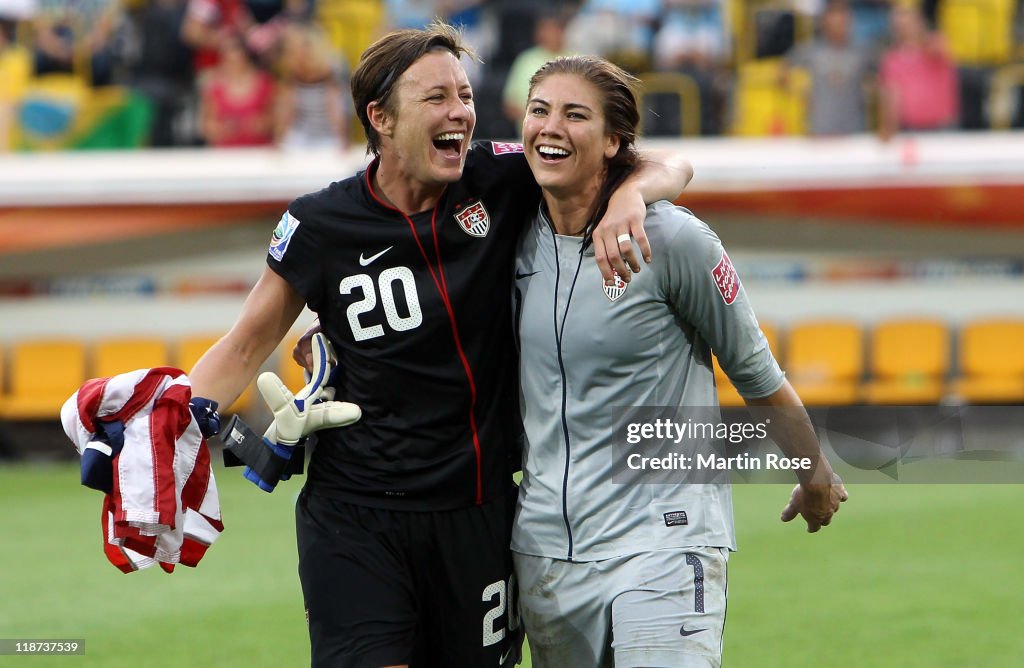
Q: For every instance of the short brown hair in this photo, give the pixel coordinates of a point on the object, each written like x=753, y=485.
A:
x=388, y=58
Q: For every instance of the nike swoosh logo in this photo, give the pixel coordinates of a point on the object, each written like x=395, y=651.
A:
x=504, y=657
x=364, y=261
x=684, y=632
x=521, y=275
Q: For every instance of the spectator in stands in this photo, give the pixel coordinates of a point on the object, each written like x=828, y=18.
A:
x=266, y=39
x=549, y=43
x=477, y=27
x=468, y=15
x=78, y=37
x=619, y=30
x=870, y=27
x=409, y=13
x=237, y=99
x=205, y=20
x=310, y=104
x=161, y=69
x=693, y=40
x=839, y=72
x=919, y=85
x=930, y=10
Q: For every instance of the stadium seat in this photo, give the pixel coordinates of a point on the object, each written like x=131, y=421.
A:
x=909, y=360
x=979, y=32
x=727, y=394
x=763, y=108
x=682, y=87
x=190, y=349
x=43, y=374
x=991, y=362
x=120, y=355
x=824, y=361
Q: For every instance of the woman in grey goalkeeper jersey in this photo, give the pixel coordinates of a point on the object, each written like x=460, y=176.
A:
x=627, y=574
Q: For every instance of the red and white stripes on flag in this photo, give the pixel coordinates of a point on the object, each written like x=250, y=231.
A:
x=164, y=506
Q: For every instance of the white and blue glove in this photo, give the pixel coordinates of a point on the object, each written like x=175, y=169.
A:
x=298, y=415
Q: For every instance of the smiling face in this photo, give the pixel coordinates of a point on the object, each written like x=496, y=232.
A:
x=565, y=136
x=427, y=127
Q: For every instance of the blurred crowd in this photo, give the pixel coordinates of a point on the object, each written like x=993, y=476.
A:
x=87, y=73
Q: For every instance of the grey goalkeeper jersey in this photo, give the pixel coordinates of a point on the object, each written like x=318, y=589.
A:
x=648, y=344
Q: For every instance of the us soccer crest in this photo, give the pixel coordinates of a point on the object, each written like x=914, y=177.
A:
x=613, y=292
x=473, y=219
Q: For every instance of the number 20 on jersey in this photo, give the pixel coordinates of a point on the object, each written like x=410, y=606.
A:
x=388, y=285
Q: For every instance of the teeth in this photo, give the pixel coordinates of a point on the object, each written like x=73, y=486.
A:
x=552, y=150
x=451, y=136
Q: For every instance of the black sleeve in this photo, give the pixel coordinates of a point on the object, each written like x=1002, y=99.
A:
x=295, y=253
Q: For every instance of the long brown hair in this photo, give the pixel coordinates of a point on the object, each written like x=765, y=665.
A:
x=621, y=117
x=388, y=58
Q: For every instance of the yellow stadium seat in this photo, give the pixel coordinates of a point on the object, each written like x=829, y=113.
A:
x=120, y=355
x=190, y=349
x=909, y=361
x=763, y=106
x=824, y=361
x=683, y=87
x=991, y=362
x=979, y=32
x=727, y=394
x=43, y=374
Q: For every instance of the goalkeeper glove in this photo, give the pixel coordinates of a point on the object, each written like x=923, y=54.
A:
x=298, y=415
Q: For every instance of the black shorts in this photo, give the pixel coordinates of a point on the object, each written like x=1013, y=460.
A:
x=386, y=587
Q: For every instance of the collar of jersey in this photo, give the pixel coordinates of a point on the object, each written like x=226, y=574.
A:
x=546, y=226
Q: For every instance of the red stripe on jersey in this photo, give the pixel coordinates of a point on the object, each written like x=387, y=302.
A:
x=442, y=288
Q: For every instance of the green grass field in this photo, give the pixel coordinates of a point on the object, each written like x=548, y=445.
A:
x=908, y=575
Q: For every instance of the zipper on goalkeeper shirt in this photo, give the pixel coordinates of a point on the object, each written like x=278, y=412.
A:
x=559, y=330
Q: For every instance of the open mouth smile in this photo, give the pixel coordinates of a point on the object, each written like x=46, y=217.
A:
x=449, y=144
x=552, y=154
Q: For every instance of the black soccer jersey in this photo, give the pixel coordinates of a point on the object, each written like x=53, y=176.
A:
x=418, y=312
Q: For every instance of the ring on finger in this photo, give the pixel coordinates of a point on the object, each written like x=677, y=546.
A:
x=622, y=238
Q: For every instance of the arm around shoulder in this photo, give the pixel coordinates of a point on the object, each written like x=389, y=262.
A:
x=660, y=175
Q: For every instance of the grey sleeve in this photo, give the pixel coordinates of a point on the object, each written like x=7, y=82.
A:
x=703, y=286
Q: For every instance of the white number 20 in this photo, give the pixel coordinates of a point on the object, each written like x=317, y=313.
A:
x=386, y=282
x=492, y=635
